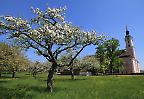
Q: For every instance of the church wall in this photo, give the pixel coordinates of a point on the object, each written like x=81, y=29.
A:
x=127, y=66
x=136, y=66
x=130, y=65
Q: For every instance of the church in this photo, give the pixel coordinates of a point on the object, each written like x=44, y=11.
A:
x=131, y=64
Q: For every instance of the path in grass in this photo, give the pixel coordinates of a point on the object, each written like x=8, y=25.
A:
x=95, y=87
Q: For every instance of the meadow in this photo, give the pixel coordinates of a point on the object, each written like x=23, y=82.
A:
x=24, y=86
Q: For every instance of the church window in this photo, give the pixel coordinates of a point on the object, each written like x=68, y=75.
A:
x=129, y=45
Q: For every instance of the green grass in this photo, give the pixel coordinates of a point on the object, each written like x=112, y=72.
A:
x=95, y=87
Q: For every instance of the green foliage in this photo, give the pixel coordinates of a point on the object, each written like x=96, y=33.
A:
x=108, y=56
x=95, y=87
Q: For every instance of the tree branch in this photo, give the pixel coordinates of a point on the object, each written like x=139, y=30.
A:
x=46, y=56
x=25, y=33
x=77, y=54
x=57, y=52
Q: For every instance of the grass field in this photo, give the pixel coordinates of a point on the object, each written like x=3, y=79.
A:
x=24, y=86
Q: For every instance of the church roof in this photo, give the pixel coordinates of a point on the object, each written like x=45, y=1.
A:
x=124, y=54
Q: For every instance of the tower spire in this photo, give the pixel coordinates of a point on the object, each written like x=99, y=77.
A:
x=126, y=28
x=127, y=32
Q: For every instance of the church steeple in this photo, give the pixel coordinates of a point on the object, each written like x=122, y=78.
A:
x=129, y=43
x=131, y=63
x=127, y=32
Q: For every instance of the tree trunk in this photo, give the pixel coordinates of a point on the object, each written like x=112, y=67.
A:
x=50, y=77
x=34, y=74
x=72, y=73
x=0, y=74
x=13, y=73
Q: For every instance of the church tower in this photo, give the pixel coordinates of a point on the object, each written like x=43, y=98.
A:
x=129, y=44
x=131, y=64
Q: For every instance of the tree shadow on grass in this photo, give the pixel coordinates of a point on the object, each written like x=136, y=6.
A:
x=66, y=81
x=8, y=93
x=2, y=82
x=20, y=92
x=62, y=79
x=35, y=88
x=69, y=79
x=5, y=77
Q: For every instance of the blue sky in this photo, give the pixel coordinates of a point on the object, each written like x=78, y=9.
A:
x=104, y=16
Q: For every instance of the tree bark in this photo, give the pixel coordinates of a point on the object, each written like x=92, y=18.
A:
x=72, y=73
x=50, y=77
x=13, y=73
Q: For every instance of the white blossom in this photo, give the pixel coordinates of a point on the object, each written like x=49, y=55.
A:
x=10, y=18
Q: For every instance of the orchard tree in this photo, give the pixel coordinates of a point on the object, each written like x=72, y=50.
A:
x=8, y=58
x=90, y=63
x=11, y=59
x=23, y=62
x=36, y=67
x=65, y=59
x=4, y=56
x=49, y=34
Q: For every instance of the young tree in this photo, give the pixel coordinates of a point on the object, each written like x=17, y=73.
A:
x=8, y=58
x=49, y=34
